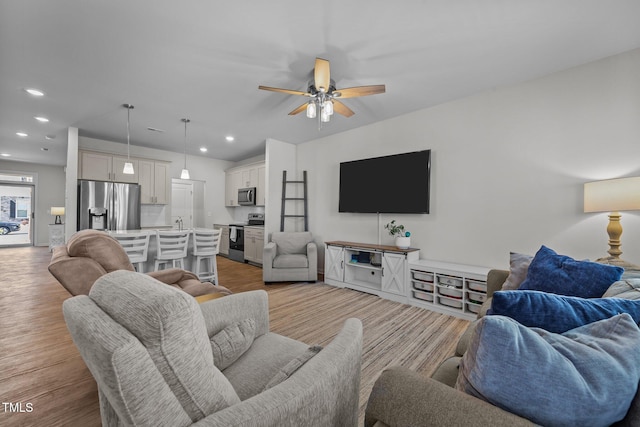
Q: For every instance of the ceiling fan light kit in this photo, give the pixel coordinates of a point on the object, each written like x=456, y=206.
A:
x=323, y=94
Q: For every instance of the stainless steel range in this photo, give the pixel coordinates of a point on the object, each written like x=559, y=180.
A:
x=236, y=236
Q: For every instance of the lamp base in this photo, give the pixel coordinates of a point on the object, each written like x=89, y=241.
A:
x=58, y=220
x=618, y=262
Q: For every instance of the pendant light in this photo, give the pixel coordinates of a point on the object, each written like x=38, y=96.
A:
x=128, y=166
x=185, y=171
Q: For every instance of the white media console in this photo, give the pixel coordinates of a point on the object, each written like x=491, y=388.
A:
x=399, y=275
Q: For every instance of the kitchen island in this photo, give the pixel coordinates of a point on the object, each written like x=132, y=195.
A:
x=189, y=261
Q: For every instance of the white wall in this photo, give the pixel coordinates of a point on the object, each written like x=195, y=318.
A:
x=50, y=190
x=279, y=156
x=508, y=167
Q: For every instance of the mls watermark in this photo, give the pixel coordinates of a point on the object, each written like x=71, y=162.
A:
x=20, y=407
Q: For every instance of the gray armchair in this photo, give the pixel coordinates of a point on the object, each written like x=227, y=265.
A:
x=161, y=359
x=290, y=257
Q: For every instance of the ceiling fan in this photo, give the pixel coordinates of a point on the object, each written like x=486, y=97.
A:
x=324, y=95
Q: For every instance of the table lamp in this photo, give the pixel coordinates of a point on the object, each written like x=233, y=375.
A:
x=613, y=196
x=57, y=211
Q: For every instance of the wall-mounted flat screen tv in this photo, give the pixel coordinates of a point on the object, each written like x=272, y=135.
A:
x=390, y=184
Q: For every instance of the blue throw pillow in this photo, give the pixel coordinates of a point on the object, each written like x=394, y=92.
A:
x=560, y=274
x=585, y=377
x=559, y=313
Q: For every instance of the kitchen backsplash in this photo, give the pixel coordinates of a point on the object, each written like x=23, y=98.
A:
x=153, y=215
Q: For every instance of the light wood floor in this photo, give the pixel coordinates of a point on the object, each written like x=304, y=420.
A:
x=40, y=365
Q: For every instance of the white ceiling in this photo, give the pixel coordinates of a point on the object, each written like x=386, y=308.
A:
x=204, y=60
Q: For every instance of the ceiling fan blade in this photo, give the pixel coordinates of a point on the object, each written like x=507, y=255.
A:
x=299, y=110
x=353, y=92
x=288, y=91
x=340, y=108
x=322, y=74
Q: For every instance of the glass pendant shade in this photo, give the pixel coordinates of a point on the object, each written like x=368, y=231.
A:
x=311, y=110
x=128, y=169
x=128, y=166
x=185, y=172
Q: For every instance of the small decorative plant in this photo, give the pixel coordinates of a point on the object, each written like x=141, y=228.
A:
x=396, y=230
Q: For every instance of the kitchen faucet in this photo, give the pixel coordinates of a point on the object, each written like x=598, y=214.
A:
x=179, y=222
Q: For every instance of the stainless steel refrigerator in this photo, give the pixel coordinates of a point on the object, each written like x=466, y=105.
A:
x=108, y=205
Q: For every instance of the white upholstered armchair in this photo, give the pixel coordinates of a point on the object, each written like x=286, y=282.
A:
x=290, y=256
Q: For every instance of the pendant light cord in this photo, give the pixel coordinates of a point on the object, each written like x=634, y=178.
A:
x=128, y=143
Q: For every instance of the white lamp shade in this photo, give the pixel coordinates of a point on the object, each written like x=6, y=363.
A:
x=612, y=195
x=128, y=169
x=57, y=210
x=184, y=174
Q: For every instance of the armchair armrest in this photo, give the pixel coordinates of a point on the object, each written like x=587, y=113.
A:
x=172, y=276
x=401, y=397
x=312, y=255
x=222, y=312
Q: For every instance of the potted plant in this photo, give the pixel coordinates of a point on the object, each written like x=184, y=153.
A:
x=403, y=239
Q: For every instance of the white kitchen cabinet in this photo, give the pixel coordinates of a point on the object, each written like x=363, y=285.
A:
x=154, y=182
x=106, y=167
x=261, y=188
x=232, y=184
x=252, y=175
x=253, y=244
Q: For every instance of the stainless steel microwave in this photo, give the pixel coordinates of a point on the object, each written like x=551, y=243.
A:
x=247, y=196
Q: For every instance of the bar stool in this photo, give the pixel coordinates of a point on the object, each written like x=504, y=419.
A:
x=172, y=248
x=136, y=246
x=206, y=245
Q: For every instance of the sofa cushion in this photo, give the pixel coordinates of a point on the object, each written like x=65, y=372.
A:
x=560, y=274
x=559, y=313
x=518, y=268
x=291, y=261
x=627, y=289
x=587, y=376
x=231, y=342
x=169, y=323
x=288, y=242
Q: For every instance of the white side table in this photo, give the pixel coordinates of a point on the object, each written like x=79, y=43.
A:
x=56, y=235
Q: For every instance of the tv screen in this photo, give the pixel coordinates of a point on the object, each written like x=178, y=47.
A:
x=389, y=184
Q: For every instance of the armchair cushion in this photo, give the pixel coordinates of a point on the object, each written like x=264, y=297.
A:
x=587, y=376
x=231, y=343
x=170, y=325
x=291, y=242
x=291, y=261
x=561, y=274
x=290, y=368
x=100, y=247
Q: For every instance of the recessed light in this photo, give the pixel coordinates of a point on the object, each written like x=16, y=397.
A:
x=229, y=138
x=203, y=149
x=49, y=137
x=155, y=129
x=44, y=149
x=41, y=119
x=34, y=92
x=5, y=154
x=22, y=134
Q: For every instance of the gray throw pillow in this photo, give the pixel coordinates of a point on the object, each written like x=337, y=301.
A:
x=232, y=342
x=587, y=376
x=291, y=367
x=518, y=267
